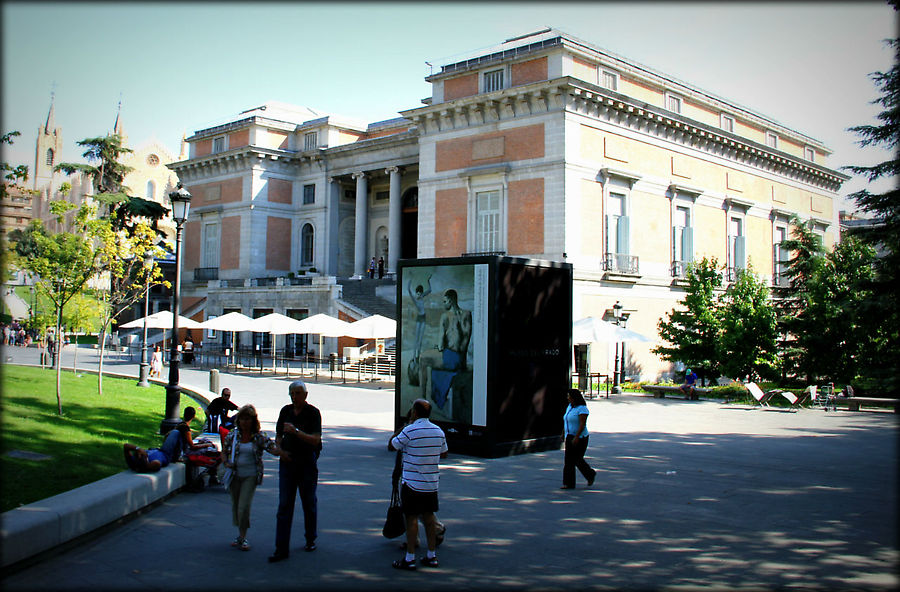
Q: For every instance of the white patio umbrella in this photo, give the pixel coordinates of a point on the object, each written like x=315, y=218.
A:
x=162, y=320
x=323, y=325
x=373, y=327
x=275, y=324
x=232, y=321
x=594, y=330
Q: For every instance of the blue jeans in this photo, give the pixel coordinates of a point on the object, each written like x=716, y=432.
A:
x=294, y=476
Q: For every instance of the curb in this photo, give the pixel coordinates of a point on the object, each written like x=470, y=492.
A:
x=45, y=524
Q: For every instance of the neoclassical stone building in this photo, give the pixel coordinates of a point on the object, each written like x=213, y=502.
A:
x=544, y=146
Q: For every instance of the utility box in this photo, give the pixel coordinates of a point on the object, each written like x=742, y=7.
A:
x=487, y=341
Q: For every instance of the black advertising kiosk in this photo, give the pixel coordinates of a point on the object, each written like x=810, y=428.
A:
x=487, y=340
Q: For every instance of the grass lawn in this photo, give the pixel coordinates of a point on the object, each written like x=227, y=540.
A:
x=84, y=443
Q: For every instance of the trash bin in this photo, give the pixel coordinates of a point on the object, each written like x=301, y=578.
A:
x=332, y=360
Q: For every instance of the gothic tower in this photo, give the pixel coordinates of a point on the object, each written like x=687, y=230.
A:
x=47, y=153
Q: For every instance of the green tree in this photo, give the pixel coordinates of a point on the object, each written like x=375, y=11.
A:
x=61, y=264
x=128, y=264
x=81, y=314
x=12, y=175
x=882, y=359
x=747, y=346
x=107, y=175
x=693, y=330
x=826, y=327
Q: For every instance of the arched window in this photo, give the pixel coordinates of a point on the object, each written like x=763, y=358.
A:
x=307, y=239
x=151, y=190
x=49, y=156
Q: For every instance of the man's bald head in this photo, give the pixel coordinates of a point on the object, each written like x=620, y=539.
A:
x=422, y=408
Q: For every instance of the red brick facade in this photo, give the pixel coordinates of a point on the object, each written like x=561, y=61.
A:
x=525, y=230
x=278, y=243
x=518, y=143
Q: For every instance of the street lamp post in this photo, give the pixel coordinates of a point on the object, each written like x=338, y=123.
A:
x=617, y=315
x=181, y=204
x=144, y=366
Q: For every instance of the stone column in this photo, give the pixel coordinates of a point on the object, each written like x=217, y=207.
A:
x=393, y=220
x=362, y=223
x=333, y=219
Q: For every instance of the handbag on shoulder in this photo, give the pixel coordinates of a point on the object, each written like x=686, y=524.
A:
x=395, y=523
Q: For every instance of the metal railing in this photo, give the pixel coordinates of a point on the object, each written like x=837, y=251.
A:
x=204, y=274
x=679, y=268
x=476, y=253
x=621, y=263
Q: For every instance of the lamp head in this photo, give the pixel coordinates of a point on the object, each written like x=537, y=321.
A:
x=181, y=204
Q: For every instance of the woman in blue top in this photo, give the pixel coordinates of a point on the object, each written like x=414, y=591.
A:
x=576, y=435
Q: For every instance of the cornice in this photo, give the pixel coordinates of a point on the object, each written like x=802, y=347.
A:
x=575, y=96
x=240, y=160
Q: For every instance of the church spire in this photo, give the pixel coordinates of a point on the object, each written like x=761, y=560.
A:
x=50, y=123
x=117, y=127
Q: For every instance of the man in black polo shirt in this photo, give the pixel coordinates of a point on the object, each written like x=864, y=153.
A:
x=218, y=409
x=298, y=432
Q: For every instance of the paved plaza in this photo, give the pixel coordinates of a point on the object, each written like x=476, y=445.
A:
x=688, y=495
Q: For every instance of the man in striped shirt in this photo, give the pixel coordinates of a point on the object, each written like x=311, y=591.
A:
x=423, y=445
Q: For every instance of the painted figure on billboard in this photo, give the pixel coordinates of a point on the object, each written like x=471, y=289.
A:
x=456, y=330
x=438, y=349
x=418, y=298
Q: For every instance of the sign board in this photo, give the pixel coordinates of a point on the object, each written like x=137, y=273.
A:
x=487, y=340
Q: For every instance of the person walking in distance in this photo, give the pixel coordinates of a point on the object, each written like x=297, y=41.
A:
x=423, y=445
x=298, y=433
x=576, y=436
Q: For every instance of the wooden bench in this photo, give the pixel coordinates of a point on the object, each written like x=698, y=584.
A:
x=659, y=391
x=853, y=403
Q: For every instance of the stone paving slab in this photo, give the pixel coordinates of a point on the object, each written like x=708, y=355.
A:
x=688, y=495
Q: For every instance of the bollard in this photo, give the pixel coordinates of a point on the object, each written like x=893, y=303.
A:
x=214, y=380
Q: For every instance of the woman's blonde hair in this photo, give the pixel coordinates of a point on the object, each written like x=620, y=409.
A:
x=248, y=411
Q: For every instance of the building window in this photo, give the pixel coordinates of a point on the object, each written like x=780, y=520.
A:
x=617, y=233
x=726, y=122
x=609, y=79
x=737, y=247
x=218, y=145
x=809, y=154
x=309, y=194
x=382, y=195
x=151, y=190
x=49, y=156
x=310, y=141
x=211, y=244
x=771, y=139
x=307, y=241
x=682, y=241
x=673, y=102
x=781, y=258
x=493, y=80
x=488, y=217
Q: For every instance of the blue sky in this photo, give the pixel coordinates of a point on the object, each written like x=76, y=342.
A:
x=180, y=67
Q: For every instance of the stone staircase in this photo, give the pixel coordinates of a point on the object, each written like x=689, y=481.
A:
x=362, y=295
x=385, y=363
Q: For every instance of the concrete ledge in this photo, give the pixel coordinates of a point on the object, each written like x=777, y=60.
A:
x=659, y=391
x=42, y=525
x=48, y=523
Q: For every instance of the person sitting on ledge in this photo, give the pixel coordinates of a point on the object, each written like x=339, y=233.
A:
x=690, y=380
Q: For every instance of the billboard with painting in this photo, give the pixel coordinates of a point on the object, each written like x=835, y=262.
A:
x=485, y=339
